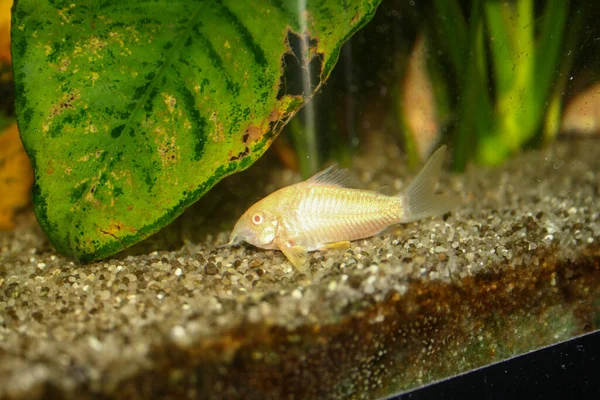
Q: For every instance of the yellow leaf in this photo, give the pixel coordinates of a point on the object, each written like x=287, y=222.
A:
x=5, y=6
x=16, y=176
x=418, y=101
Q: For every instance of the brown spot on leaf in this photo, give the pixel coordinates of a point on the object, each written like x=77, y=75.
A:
x=275, y=115
x=253, y=133
x=270, y=127
x=118, y=228
x=167, y=149
x=218, y=134
x=170, y=101
x=65, y=103
x=64, y=65
x=240, y=155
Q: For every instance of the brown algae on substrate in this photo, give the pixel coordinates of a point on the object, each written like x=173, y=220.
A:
x=515, y=268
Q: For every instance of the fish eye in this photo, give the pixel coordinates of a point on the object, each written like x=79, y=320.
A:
x=258, y=218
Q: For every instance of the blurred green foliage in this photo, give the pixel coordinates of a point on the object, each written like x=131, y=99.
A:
x=501, y=71
x=505, y=60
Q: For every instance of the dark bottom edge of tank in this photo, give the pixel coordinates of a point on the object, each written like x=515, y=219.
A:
x=564, y=370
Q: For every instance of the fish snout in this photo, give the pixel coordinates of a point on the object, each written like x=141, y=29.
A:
x=234, y=238
x=240, y=234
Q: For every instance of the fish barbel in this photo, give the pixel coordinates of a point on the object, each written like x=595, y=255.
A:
x=321, y=212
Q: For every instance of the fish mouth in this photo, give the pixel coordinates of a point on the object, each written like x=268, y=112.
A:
x=235, y=238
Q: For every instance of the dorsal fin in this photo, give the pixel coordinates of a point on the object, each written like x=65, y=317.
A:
x=332, y=176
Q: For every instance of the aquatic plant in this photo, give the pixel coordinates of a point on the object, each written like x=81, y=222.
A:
x=486, y=76
x=508, y=66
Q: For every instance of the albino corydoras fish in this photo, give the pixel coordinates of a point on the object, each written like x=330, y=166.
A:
x=322, y=212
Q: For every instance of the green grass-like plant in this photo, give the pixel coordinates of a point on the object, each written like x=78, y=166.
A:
x=505, y=60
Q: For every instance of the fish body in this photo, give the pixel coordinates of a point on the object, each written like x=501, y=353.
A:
x=316, y=214
x=322, y=211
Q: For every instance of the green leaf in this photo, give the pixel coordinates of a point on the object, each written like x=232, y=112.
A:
x=550, y=47
x=555, y=107
x=475, y=117
x=501, y=18
x=511, y=28
x=131, y=110
x=452, y=31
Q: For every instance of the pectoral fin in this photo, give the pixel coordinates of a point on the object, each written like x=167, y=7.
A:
x=297, y=255
x=337, y=245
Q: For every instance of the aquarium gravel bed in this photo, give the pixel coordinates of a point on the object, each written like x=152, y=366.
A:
x=514, y=268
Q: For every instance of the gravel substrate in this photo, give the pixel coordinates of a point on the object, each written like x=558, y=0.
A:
x=174, y=317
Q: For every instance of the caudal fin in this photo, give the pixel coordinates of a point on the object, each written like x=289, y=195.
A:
x=420, y=201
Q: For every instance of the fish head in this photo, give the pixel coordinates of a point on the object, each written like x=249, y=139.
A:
x=257, y=226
